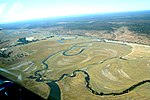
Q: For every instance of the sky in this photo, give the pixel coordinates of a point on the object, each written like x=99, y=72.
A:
x=16, y=10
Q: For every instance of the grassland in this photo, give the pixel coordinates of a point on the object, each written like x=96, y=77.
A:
x=128, y=26
x=111, y=66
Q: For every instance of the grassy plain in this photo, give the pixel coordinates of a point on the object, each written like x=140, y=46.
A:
x=112, y=67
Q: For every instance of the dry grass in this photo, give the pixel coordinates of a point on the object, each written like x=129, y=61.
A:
x=108, y=72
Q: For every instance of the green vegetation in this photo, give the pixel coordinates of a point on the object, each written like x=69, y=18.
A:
x=100, y=70
x=100, y=56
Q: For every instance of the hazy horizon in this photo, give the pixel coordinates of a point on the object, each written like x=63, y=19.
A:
x=17, y=10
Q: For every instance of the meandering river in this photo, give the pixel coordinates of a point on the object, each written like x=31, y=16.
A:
x=53, y=83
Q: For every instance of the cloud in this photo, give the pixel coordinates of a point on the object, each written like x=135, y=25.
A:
x=11, y=12
x=2, y=7
x=15, y=9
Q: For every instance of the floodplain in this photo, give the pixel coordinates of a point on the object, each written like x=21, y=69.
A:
x=82, y=68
